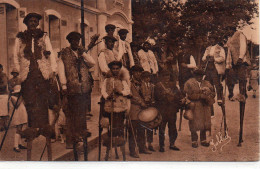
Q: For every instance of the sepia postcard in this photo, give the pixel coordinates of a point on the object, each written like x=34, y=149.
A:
x=129, y=80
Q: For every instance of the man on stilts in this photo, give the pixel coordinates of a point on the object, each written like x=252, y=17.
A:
x=36, y=63
x=238, y=60
x=73, y=69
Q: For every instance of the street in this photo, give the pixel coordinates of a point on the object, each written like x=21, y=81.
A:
x=230, y=151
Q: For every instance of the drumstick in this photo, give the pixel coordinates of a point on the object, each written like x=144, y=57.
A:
x=133, y=134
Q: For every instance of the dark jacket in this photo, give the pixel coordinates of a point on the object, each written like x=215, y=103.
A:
x=168, y=97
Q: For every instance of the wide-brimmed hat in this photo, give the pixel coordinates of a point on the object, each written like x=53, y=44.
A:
x=14, y=71
x=73, y=36
x=136, y=68
x=115, y=63
x=30, y=15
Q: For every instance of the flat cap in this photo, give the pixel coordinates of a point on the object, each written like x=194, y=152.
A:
x=30, y=15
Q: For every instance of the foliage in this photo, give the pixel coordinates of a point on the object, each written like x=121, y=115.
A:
x=192, y=22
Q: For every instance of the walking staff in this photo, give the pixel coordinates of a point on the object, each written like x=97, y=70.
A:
x=3, y=140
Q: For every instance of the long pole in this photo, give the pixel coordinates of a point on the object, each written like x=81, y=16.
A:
x=82, y=25
x=8, y=126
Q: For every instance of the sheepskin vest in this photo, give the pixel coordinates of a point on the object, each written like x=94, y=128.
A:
x=234, y=46
x=120, y=102
x=37, y=60
x=76, y=71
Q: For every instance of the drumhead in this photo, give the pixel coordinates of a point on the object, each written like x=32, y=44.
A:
x=148, y=114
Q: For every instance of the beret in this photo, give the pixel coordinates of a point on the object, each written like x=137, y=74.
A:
x=73, y=35
x=110, y=38
x=115, y=63
x=122, y=31
x=110, y=26
x=30, y=15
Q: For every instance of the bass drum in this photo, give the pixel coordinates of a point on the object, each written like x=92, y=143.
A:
x=150, y=118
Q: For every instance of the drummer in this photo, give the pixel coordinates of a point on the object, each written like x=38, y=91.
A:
x=136, y=131
x=168, y=101
x=147, y=90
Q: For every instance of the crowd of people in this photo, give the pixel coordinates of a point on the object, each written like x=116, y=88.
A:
x=142, y=89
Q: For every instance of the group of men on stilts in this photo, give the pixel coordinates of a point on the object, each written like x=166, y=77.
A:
x=139, y=89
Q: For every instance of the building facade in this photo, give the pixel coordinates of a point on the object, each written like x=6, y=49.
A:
x=59, y=18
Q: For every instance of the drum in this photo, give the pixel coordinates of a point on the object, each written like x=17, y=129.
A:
x=150, y=118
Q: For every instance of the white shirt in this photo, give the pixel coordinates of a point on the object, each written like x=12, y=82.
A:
x=148, y=61
x=192, y=64
x=211, y=51
x=102, y=62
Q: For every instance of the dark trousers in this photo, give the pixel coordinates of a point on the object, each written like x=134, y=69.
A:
x=76, y=116
x=149, y=135
x=172, y=129
x=194, y=135
x=231, y=81
x=239, y=72
x=136, y=131
x=35, y=93
x=214, y=78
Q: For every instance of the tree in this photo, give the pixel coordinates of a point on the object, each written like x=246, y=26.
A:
x=194, y=21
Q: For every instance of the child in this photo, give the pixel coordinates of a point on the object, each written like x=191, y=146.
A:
x=136, y=130
x=19, y=118
x=114, y=90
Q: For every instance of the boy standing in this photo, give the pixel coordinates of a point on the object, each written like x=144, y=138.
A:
x=136, y=131
x=114, y=90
